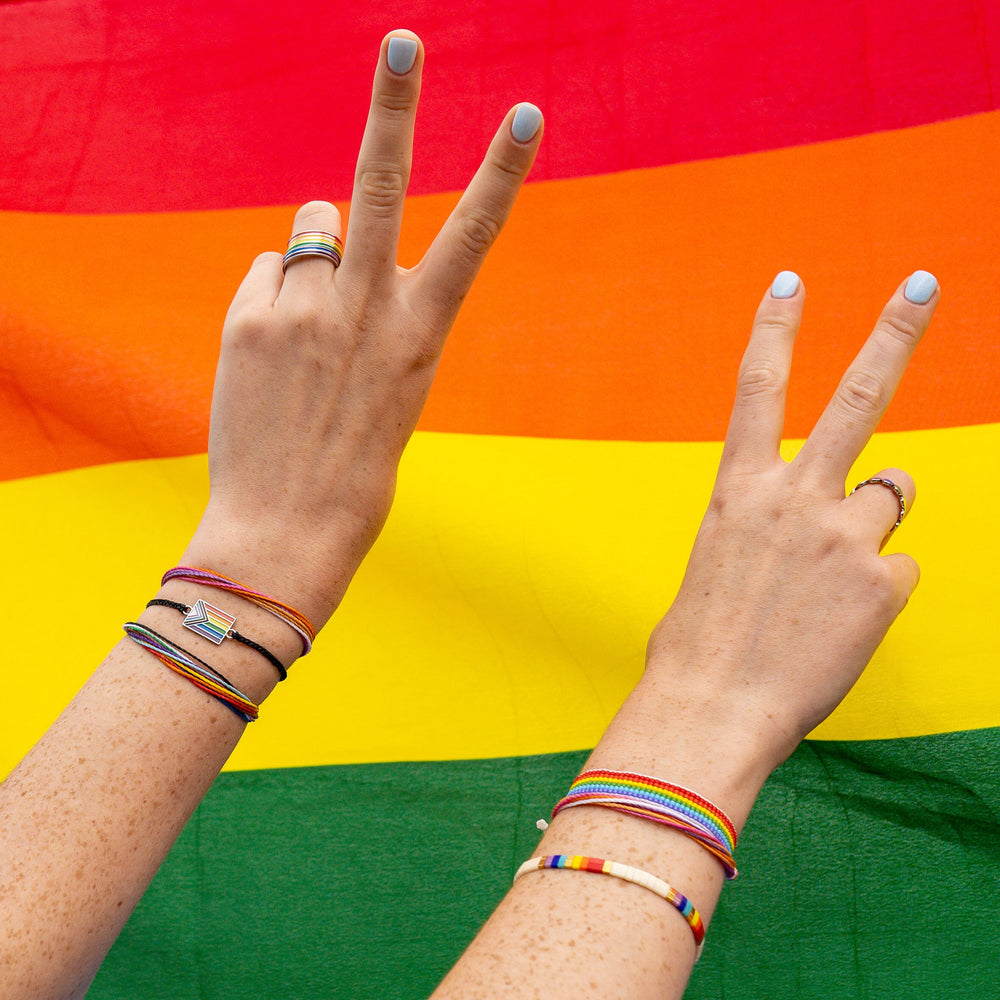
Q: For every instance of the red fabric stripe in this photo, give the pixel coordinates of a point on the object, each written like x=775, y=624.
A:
x=113, y=105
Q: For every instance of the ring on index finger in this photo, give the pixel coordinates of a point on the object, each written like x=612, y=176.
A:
x=888, y=484
x=314, y=243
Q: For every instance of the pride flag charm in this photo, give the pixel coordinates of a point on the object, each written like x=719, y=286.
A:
x=209, y=621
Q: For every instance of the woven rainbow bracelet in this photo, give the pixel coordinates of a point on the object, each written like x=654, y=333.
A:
x=661, y=802
x=599, y=866
x=291, y=617
x=197, y=671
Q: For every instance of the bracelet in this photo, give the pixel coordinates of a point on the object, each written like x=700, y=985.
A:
x=216, y=625
x=197, y=671
x=291, y=617
x=627, y=873
x=661, y=802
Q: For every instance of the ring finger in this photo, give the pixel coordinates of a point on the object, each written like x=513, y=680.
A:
x=881, y=502
x=314, y=269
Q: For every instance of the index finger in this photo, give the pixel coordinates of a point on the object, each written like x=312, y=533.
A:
x=758, y=418
x=383, y=169
x=870, y=382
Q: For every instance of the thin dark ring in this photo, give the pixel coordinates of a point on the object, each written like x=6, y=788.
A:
x=889, y=484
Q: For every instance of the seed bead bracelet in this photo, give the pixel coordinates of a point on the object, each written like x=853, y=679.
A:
x=599, y=866
x=197, y=671
x=294, y=619
x=214, y=624
x=661, y=802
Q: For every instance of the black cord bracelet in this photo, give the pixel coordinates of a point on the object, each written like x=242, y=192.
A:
x=231, y=634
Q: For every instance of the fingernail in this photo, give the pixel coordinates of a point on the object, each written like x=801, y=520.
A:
x=527, y=118
x=920, y=287
x=785, y=285
x=401, y=54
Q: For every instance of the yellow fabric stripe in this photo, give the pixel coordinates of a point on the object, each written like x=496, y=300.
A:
x=505, y=609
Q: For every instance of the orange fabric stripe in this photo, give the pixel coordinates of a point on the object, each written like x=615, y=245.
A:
x=614, y=307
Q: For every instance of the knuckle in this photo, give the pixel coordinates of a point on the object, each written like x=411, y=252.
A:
x=382, y=186
x=899, y=328
x=303, y=314
x=266, y=258
x=394, y=103
x=312, y=209
x=861, y=392
x=248, y=329
x=837, y=538
x=776, y=320
x=775, y=324
x=761, y=379
x=477, y=232
x=508, y=169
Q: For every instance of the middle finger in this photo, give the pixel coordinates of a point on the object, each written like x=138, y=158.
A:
x=870, y=382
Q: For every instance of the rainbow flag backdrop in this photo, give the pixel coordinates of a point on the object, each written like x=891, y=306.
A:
x=367, y=825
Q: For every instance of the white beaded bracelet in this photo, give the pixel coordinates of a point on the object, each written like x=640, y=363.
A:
x=574, y=862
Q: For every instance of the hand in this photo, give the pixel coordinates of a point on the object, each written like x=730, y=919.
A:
x=786, y=597
x=323, y=372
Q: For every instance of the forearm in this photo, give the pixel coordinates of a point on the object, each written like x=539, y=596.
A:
x=537, y=940
x=103, y=795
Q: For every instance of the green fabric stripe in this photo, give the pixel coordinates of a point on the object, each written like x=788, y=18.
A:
x=867, y=870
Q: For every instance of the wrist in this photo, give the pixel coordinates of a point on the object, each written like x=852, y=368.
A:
x=692, y=735
x=244, y=643
x=310, y=571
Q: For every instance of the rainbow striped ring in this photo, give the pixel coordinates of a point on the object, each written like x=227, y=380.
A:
x=313, y=243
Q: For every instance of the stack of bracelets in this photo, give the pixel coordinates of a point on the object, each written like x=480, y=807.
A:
x=660, y=802
x=216, y=625
x=634, y=794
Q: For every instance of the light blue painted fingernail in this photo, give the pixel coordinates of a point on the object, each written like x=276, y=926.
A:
x=785, y=285
x=402, y=52
x=920, y=287
x=527, y=118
